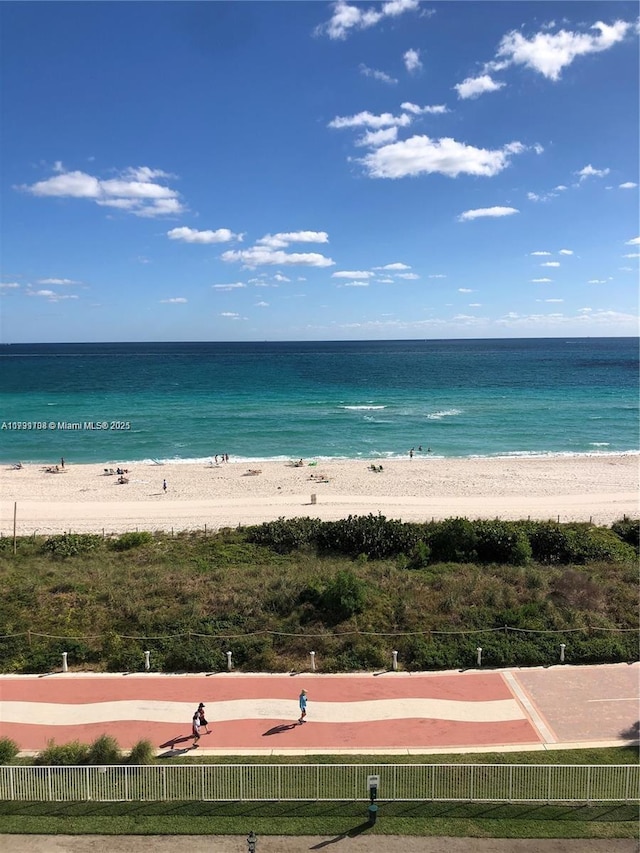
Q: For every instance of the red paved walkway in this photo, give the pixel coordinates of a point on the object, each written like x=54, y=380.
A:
x=398, y=711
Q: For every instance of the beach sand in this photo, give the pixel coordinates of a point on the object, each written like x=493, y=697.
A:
x=82, y=498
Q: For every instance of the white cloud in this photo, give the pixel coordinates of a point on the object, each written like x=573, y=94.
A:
x=565, y=252
x=367, y=119
x=354, y=284
x=551, y=264
x=9, y=285
x=262, y=304
x=549, y=54
x=597, y=281
x=376, y=75
x=232, y=315
x=284, y=238
x=374, y=138
x=261, y=255
x=541, y=280
x=628, y=185
x=632, y=255
x=475, y=305
x=540, y=197
x=539, y=253
x=465, y=290
x=51, y=295
x=434, y=109
x=175, y=300
x=408, y=276
x=133, y=191
x=396, y=266
x=486, y=211
x=192, y=235
x=473, y=87
x=279, y=277
x=238, y=285
x=554, y=300
x=437, y=275
x=412, y=61
x=635, y=241
x=384, y=280
x=422, y=155
x=359, y=274
x=560, y=188
x=539, y=149
x=346, y=18
x=589, y=171
x=57, y=281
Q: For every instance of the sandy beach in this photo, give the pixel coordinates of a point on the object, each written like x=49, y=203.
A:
x=83, y=498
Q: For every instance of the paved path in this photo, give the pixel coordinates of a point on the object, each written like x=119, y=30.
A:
x=389, y=712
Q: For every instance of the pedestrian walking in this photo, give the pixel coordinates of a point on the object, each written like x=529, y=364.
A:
x=164, y=486
x=302, y=700
x=195, y=729
x=202, y=718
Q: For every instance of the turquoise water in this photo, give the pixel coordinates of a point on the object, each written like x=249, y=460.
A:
x=258, y=401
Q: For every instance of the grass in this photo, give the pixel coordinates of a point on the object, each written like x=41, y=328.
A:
x=327, y=819
x=224, y=588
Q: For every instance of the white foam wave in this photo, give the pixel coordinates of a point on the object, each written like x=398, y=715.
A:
x=445, y=413
x=362, y=408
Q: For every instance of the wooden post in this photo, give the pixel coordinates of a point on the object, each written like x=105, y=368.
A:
x=15, y=511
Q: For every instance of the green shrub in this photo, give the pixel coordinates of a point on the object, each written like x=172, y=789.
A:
x=343, y=596
x=628, y=529
x=454, y=541
x=142, y=752
x=131, y=540
x=285, y=535
x=501, y=542
x=63, y=755
x=420, y=555
x=70, y=544
x=8, y=750
x=551, y=542
x=372, y=535
x=104, y=750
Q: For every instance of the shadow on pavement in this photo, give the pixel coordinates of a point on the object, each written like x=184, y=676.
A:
x=276, y=730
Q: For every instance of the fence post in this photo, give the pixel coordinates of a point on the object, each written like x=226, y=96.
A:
x=147, y=664
x=65, y=666
x=563, y=646
x=229, y=662
x=312, y=655
x=394, y=661
x=479, y=658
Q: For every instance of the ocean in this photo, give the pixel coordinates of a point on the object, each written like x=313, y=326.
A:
x=115, y=402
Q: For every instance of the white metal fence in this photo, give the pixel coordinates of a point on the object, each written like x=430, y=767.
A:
x=507, y=783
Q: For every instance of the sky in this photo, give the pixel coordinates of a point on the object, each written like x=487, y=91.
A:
x=248, y=171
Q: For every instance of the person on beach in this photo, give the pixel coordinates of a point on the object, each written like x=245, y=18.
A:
x=202, y=718
x=195, y=729
x=302, y=701
x=411, y=453
x=62, y=461
x=164, y=486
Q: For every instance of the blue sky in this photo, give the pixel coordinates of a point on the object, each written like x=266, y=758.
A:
x=318, y=171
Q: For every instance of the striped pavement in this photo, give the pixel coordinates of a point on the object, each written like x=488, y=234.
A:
x=388, y=712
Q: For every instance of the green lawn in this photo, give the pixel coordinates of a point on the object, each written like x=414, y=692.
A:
x=611, y=820
x=437, y=819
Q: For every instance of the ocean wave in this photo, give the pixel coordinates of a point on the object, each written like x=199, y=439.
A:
x=361, y=408
x=445, y=413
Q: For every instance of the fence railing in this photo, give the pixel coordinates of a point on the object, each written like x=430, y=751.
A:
x=508, y=783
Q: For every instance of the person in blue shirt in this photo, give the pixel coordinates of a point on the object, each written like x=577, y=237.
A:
x=303, y=706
